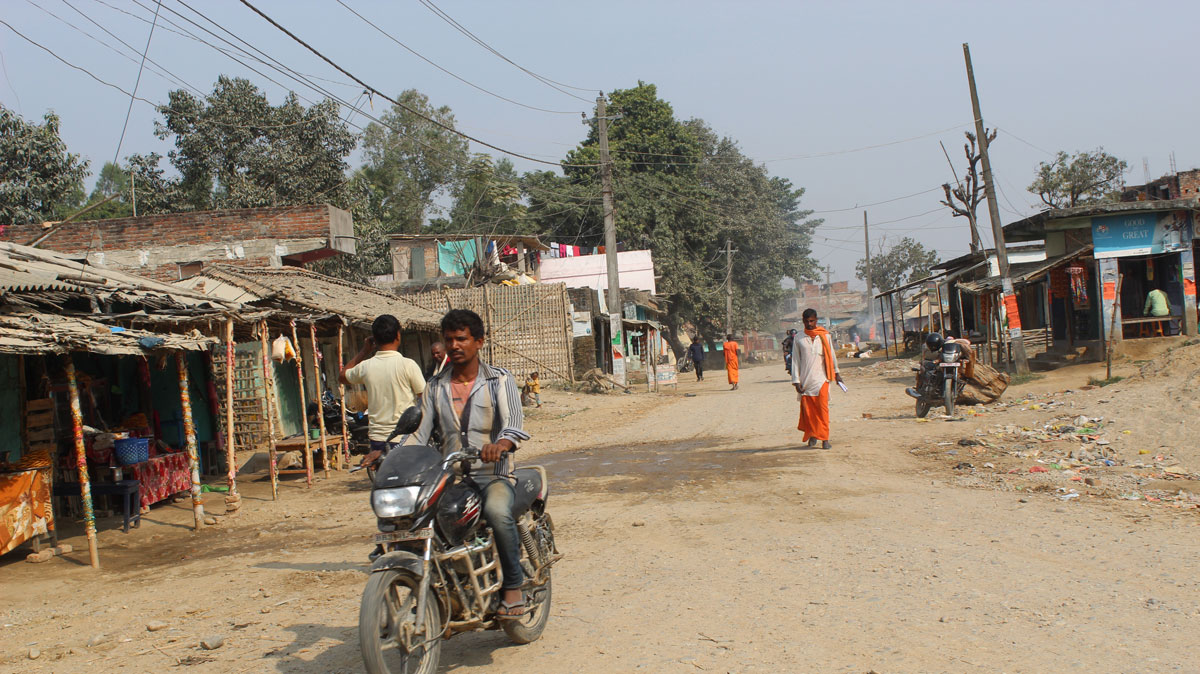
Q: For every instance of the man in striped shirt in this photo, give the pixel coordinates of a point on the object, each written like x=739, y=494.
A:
x=478, y=406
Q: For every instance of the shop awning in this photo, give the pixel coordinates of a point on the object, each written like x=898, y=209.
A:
x=1023, y=273
x=37, y=333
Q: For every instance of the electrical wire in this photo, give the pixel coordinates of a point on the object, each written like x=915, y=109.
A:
x=448, y=72
x=397, y=103
x=1043, y=150
x=477, y=40
x=138, y=81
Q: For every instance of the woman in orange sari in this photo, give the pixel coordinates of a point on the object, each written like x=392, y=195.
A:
x=731, y=361
x=814, y=366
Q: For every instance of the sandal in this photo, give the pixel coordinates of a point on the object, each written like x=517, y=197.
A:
x=513, y=611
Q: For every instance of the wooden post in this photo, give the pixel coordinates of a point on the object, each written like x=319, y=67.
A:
x=345, y=455
x=85, y=485
x=268, y=381
x=232, y=500
x=308, y=472
x=883, y=330
x=316, y=349
x=189, y=436
x=941, y=310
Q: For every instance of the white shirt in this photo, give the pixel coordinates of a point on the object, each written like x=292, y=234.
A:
x=808, y=364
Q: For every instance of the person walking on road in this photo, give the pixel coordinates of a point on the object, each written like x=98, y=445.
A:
x=696, y=351
x=814, y=365
x=731, y=361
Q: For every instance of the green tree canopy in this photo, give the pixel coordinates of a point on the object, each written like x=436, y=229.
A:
x=39, y=179
x=233, y=149
x=905, y=262
x=409, y=161
x=487, y=199
x=682, y=191
x=1080, y=179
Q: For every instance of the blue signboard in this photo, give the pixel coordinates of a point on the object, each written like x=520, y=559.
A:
x=1141, y=234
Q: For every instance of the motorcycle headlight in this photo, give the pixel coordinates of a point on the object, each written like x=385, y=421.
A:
x=397, y=502
x=951, y=356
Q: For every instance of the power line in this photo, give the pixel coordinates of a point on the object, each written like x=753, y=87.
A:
x=439, y=67
x=397, y=103
x=885, y=201
x=136, y=82
x=1026, y=142
x=477, y=40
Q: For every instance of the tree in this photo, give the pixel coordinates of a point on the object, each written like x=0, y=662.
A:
x=905, y=262
x=39, y=178
x=964, y=198
x=1080, y=179
x=682, y=191
x=410, y=160
x=233, y=149
x=113, y=180
x=487, y=199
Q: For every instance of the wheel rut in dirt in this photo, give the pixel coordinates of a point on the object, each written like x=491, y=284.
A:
x=653, y=467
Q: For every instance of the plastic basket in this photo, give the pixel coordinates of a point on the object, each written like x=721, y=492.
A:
x=132, y=450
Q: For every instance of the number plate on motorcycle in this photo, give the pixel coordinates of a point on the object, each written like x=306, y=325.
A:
x=949, y=364
x=401, y=536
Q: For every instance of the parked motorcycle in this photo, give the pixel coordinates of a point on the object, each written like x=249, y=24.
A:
x=439, y=573
x=940, y=380
x=331, y=409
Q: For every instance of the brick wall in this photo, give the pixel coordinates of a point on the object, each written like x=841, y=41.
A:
x=1189, y=184
x=155, y=245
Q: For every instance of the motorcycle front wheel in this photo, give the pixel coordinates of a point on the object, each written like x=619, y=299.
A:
x=387, y=622
x=948, y=394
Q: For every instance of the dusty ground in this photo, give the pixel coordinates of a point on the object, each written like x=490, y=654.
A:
x=699, y=537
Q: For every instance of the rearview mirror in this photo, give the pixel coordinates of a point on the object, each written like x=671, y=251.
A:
x=409, y=421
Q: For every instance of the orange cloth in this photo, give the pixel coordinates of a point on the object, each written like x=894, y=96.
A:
x=830, y=367
x=731, y=361
x=24, y=507
x=814, y=415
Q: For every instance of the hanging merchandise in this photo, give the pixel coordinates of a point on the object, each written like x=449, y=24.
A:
x=1149, y=270
x=1079, y=296
x=282, y=350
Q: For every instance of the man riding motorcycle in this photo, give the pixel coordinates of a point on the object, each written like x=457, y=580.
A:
x=477, y=405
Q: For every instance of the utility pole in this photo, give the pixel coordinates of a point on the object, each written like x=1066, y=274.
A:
x=870, y=305
x=615, y=308
x=1010, y=298
x=728, y=287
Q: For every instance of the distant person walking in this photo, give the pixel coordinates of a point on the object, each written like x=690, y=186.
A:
x=731, y=361
x=814, y=365
x=696, y=351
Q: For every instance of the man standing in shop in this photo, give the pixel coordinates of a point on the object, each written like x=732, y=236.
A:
x=393, y=382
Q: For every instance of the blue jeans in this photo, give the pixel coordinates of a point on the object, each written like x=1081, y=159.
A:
x=498, y=499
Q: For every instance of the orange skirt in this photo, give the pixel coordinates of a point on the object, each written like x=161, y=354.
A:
x=731, y=371
x=814, y=415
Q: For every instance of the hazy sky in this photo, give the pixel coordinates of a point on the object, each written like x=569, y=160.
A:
x=788, y=80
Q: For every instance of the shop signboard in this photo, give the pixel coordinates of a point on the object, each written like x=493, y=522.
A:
x=1141, y=234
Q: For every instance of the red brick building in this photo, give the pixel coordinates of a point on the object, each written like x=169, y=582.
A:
x=174, y=246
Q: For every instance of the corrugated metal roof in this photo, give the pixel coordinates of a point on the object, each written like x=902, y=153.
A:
x=39, y=333
x=1022, y=273
x=292, y=287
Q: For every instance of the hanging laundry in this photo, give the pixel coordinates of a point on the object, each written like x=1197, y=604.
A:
x=456, y=257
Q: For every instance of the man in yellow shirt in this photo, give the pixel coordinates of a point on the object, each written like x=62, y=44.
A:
x=393, y=382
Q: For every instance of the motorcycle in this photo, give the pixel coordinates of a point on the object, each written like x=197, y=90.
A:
x=439, y=573
x=331, y=409
x=940, y=380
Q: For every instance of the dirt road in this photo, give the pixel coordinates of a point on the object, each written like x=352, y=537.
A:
x=699, y=537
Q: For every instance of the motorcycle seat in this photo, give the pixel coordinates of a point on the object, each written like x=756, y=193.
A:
x=527, y=489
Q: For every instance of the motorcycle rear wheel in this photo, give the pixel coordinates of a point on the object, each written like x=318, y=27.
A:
x=922, y=408
x=529, y=627
x=388, y=616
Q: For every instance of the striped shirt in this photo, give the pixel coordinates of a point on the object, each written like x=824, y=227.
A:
x=495, y=413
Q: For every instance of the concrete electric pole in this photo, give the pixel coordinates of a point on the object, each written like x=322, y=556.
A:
x=615, y=308
x=989, y=188
x=870, y=304
x=729, y=251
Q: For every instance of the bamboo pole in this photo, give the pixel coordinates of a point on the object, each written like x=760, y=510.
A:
x=308, y=471
x=316, y=349
x=342, y=394
x=233, y=501
x=189, y=434
x=263, y=333
x=85, y=485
